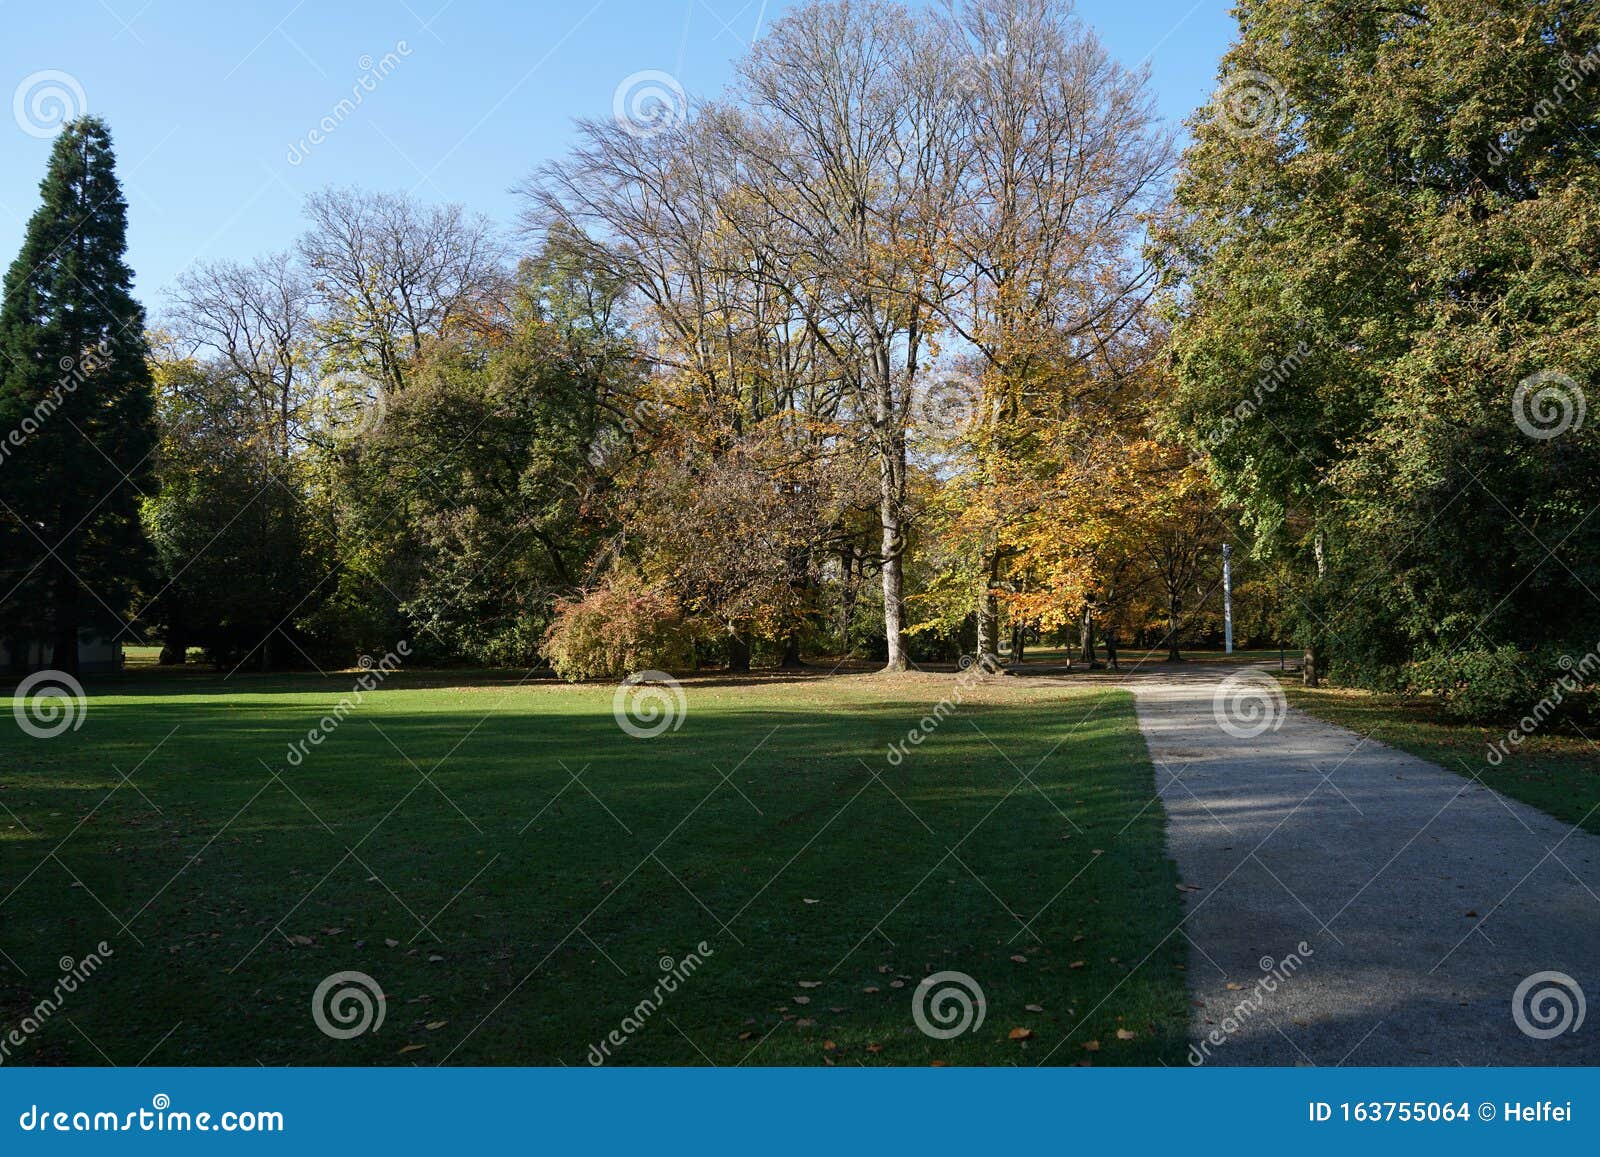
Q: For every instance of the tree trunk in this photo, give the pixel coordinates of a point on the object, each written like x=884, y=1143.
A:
x=893, y=605
x=738, y=652
x=64, y=635
x=175, y=647
x=800, y=583
x=1172, y=629
x=1111, y=649
x=847, y=597
x=1086, y=636
x=1310, y=674
x=893, y=545
x=988, y=613
x=1018, y=642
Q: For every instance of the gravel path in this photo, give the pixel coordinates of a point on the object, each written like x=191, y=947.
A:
x=1353, y=904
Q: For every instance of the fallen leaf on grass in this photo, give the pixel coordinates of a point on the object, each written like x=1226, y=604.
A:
x=1034, y=1007
x=1092, y=1046
x=1020, y=959
x=435, y=1025
x=1020, y=1034
x=412, y=1048
x=802, y=999
x=1126, y=1034
x=391, y=943
x=1076, y=964
x=809, y=983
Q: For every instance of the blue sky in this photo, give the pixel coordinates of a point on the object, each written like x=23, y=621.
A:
x=207, y=101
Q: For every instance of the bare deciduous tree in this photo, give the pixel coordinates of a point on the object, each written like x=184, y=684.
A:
x=256, y=320
x=390, y=274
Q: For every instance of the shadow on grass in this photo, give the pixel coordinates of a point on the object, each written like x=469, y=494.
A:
x=512, y=868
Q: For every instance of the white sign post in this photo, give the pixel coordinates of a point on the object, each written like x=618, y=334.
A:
x=1227, y=599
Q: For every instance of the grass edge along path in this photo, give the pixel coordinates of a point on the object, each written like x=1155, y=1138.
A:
x=1556, y=770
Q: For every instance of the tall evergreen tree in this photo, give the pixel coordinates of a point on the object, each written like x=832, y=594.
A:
x=76, y=425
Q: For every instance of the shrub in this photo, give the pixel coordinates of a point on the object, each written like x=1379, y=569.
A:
x=616, y=629
x=1481, y=684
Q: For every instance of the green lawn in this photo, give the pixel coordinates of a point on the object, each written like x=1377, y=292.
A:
x=1556, y=770
x=824, y=881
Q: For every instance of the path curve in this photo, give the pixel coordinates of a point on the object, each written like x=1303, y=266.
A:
x=1422, y=897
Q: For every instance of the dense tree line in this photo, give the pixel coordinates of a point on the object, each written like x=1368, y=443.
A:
x=899, y=324
x=858, y=359
x=1405, y=202
x=920, y=340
